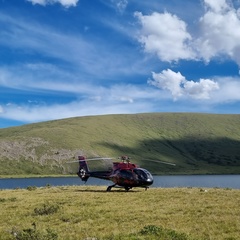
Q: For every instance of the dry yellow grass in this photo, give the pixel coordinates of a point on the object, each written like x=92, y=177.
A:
x=92, y=212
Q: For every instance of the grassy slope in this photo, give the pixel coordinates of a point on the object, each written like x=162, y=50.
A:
x=197, y=143
x=92, y=213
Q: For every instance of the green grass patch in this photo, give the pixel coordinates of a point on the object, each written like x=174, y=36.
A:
x=46, y=209
x=33, y=234
x=89, y=212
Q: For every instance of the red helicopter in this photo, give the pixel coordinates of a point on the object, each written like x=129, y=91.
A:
x=123, y=174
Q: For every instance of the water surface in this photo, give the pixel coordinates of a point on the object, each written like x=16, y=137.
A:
x=207, y=181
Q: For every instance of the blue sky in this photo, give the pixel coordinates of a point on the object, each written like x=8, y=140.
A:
x=68, y=58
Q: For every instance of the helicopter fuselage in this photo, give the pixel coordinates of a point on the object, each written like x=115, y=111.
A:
x=123, y=174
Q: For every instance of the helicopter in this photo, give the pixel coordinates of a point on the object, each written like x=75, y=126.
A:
x=123, y=174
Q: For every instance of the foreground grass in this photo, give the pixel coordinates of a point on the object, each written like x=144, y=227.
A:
x=92, y=213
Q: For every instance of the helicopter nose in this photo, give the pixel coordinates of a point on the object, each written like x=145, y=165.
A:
x=145, y=178
x=149, y=181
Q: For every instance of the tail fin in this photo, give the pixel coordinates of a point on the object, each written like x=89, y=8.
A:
x=83, y=171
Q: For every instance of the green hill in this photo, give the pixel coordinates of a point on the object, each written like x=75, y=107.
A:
x=197, y=143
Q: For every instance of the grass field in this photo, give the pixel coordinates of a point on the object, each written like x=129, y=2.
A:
x=89, y=212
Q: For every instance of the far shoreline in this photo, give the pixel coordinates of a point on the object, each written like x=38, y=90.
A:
x=75, y=175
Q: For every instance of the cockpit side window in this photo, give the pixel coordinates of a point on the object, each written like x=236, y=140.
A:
x=140, y=173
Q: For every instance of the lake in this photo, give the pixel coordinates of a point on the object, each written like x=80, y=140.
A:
x=203, y=181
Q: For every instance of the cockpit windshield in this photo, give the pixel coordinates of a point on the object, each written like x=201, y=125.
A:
x=143, y=174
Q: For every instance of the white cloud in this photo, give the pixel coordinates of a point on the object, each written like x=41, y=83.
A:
x=168, y=80
x=166, y=35
x=92, y=101
x=117, y=5
x=65, y=3
x=229, y=90
x=217, y=6
x=201, y=89
x=180, y=87
x=216, y=34
x=121, y=5
x=91, y=57
x=79, y=97
x=28, y=113
x=220, y=33
x=41, y=2
x=33, y=37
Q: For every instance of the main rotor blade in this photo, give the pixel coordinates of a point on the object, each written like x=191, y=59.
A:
x=90, y=159
x=97, y=158
x=173, y=164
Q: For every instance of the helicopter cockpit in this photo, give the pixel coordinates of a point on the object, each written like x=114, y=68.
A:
x=143, y=175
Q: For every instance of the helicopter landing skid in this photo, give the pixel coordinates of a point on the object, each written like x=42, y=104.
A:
x=110, y=187
x=115, y=185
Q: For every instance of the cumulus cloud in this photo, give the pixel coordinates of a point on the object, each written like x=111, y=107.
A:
x=169, y=80
x=217, y=6
x=220, y=33
x=229, y=90
x=177, y=84
x=217, y=34
x=65, y=3
x=166, y=35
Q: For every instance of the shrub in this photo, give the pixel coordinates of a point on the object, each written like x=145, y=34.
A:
x=150, y=229
x=162, y=233
x=151, y=232
x=31, y=188
x=12, y=199
x=46, y=209
x=34, y=234
x=2, y=200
